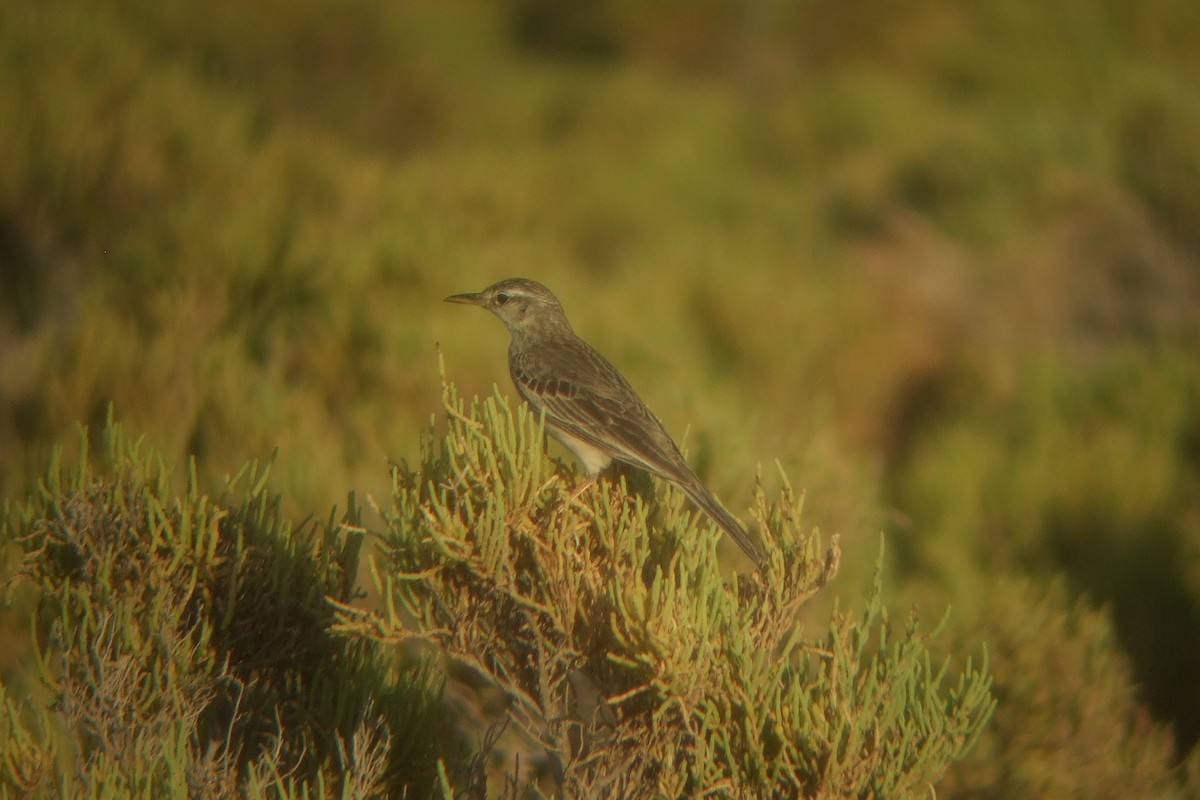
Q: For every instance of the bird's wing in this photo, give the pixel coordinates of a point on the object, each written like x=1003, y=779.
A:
x=585, y=396
x=581, y=393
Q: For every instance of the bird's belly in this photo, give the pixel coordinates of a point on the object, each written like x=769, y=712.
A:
x=593, y=458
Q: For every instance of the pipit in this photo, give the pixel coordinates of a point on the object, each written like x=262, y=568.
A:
x=588, y=405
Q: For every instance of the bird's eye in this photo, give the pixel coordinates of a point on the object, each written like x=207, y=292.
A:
x=502, y=298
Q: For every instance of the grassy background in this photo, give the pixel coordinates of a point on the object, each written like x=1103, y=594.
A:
x=943, y=263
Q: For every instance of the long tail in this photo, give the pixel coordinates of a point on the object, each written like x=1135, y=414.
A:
x=709, y=504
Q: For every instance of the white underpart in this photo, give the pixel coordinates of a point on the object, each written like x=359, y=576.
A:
x=592, y=458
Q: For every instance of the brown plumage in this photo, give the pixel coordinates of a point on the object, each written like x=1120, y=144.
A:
x=588, y=405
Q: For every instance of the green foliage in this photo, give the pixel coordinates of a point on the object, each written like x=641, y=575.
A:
x=1067, y=722
x=938, y=258
x=185, y=646
x=1077, y=483
x=182, y=647
x=634, y=668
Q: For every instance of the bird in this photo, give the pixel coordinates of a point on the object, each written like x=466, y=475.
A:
x=588, y=405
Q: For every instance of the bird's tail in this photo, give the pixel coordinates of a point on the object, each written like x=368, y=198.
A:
x=710, y=505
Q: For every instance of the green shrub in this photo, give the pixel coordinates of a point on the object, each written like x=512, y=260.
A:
x=632, y=666
x=190, y=647
x=1068, y=721
x=182, y=646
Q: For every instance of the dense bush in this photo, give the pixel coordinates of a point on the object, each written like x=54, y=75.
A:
x=181, y=646
x=186, y=647
x=940, y=260
x=633, y=666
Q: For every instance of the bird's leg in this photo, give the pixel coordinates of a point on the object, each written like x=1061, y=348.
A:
x=588, y=482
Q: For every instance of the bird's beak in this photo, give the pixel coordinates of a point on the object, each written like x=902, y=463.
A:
x=473, y=299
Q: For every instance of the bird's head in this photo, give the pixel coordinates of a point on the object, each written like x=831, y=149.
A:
x=520, y=303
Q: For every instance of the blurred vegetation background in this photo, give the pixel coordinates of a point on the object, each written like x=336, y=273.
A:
x=942, y=261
